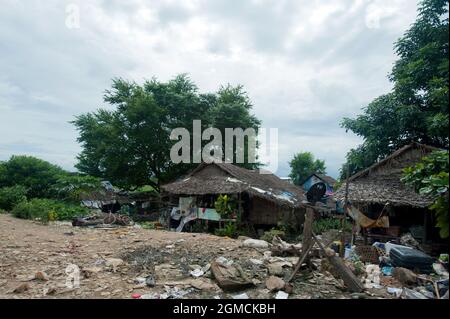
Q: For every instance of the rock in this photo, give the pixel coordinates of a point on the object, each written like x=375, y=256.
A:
x=40, y=275
x=281, y=295
x=243, y=238
x=275, y=283
x=405, y=276
x=21, y=288
x=114, y=263
x=255, y=243
x=256, y=262
x=150, y=281
x=229, y=276
x=275, y=269
x=197, y=273
x=288, y=288
x=203, y=284
x=47, y=291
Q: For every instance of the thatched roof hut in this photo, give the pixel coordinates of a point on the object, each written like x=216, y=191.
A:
x=381, y=184
x=222, y=178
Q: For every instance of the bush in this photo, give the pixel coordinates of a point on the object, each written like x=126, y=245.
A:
x=47, y=210
x=322, y=225
x=230, y=230
x=269, y=235
x=11, y=196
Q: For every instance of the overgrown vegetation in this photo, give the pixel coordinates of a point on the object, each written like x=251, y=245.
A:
x=324, y=224
x=225, y=206
x=10, y=196
x=46, y=210
x=430, y=177
x=229, y=230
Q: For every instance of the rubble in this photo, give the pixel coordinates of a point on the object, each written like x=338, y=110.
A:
x=405, y=276
x=255, y=243
x=275, y=283
x=228, y=275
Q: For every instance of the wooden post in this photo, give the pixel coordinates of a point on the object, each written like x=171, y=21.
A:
x=307, y=240
x=350, y=280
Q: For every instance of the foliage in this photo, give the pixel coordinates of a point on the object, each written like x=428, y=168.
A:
x=303, y=164
x=2, y=211
x=46, y=210
x=73, y=187
x=417, y=109
x=130, y=145
x=229, y=230
x=12, y=195
x=225, y=206
x=269, y=235
x=35, y=174
x=148, y=225
x=324, y=224
x=430, y=177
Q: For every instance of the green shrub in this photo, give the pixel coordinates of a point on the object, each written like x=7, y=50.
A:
x=2, y=211
x=269, y=235
x=47, y=210
x=230, y=230
x=322, y=225
x=11, y=196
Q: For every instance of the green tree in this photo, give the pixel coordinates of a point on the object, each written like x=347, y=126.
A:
x=430, y=177
x=130, y=145
x=303, y=164
x=72, y=187
x=417, y=109
x=36, y=175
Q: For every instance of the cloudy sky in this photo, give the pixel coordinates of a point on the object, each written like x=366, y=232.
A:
x=305, y=64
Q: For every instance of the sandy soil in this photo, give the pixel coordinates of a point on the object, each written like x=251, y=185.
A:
x=28, y=247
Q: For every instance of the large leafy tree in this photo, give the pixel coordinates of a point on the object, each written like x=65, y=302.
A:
x=304, y=164
x=131, y=144
x=430, y=177
x=417, y=109
x=36, y=175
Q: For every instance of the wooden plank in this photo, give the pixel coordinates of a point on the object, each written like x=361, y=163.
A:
x=351, y=281
x=306, y=242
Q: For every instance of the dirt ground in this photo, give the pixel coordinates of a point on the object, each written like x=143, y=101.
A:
x=111, y=261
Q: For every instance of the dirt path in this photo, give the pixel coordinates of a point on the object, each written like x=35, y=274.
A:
x=111, y=260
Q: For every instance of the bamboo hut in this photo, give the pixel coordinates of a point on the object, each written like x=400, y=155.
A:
x=264, y=199
x=378, y=191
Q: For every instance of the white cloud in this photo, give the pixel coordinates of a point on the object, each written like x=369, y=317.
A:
x=305, y=64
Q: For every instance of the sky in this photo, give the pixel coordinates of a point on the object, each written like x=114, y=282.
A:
x=305, y=64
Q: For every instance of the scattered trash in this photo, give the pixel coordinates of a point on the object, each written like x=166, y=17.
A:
x=395, y=291
x=412, y=294
x=256, y=262
x=281, y=295
x=136, y=296
x=373, y=276
x=411, y=258
x=440, y=270
x=387, y=270
x=275, y=268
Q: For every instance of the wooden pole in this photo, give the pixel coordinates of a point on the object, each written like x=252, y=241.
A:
x=307, y=240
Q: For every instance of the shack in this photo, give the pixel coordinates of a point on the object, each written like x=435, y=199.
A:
x=385, y=205
x=262, y=198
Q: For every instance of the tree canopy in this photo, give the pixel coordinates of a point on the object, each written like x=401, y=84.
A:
x=303, y=165
x=130, y=145
x=417, y=109
x=36, y=175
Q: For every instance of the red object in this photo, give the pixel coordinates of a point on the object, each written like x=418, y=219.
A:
x=136, y=296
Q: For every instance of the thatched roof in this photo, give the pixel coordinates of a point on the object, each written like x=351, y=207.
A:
x=221, y=178
x=381, y=184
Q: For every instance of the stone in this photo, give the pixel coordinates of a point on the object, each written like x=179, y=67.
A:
x=275, y=269
x=275, y=283
x=405, y=276
x=21, y=288
x=281, y=295
x=114, y=263
x=40, y=275
x=229, y=276
x=255, y=243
